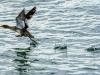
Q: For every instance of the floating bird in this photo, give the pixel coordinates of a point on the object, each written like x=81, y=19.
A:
x=22, y=25
x=61, y=47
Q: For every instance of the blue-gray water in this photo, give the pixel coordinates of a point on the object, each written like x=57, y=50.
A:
x=75, y=23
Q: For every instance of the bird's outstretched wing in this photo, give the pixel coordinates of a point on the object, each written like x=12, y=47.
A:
x=30, y=13
x=21, y=20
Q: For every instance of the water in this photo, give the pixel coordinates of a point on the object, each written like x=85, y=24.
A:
x=74, y=23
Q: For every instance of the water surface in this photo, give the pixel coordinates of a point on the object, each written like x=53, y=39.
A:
x=75, y=23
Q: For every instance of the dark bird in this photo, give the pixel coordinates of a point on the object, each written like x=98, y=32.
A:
x=22, y=25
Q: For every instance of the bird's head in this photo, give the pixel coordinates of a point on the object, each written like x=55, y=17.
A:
x=5, y=26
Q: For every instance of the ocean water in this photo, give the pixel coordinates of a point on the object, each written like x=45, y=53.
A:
x=71, y=23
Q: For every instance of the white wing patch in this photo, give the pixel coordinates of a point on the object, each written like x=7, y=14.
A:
x=20, y=19
x=20, y=23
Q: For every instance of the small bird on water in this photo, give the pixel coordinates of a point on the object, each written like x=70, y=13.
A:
x=21, y=24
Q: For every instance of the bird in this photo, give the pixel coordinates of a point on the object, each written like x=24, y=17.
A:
x=22, y=25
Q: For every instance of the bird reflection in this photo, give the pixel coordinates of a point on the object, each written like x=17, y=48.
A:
x=22, y=60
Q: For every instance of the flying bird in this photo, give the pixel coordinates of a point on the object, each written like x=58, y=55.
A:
x=22, y=25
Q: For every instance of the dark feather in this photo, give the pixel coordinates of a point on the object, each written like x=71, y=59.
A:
x=31, y=13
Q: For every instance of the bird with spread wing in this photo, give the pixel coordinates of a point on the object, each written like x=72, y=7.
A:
x=22, y=25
